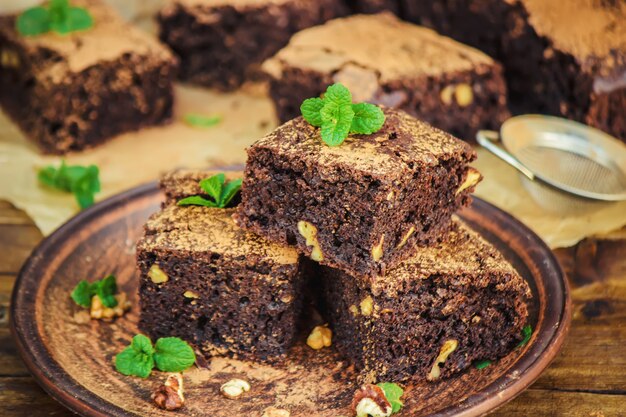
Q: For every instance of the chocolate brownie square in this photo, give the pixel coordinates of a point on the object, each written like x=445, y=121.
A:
x=71, y=92
x=444, y=308
x=561, y=58
x=222, y=43
x=362, y=206
x=386, y=61
x=224, y=290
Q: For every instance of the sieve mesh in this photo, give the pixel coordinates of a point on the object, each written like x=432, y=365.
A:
x=572, y=169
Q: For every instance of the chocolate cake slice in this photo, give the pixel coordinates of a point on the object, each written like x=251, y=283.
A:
x=71, y=92
x=386, y=61
x=221, y=43
x=224, y=290
x=447, y=306
x=363, y=206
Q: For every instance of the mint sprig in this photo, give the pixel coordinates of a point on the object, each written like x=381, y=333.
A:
x=105, y=289
x=201, y=121
x=218, y=189
x=338, y=116
x=82, y=181
x=393, y=393
x=169, y=354
x=58, y=16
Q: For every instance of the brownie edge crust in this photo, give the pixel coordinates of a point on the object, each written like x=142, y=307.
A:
x=364, y=206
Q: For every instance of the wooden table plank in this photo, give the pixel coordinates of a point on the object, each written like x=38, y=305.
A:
x=588, y=378
x=22, y=397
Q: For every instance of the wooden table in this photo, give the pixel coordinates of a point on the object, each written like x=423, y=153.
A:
x=588, y=378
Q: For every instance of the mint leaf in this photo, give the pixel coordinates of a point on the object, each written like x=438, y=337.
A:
x=82, y=294
x=106, y=290
x=79, y=19
x=137, y=359
x=527, y=332
x=83, y=182
x=199, y=120
x=230, y=191
x=59, y=16
x=336, y=122
x=338, y=94
x=393, y=392
x=173, y=354
x=368, y=118
x=196, y=200
x=213, y=186
x=310, y=109
x=482, y=364
x=33, y=21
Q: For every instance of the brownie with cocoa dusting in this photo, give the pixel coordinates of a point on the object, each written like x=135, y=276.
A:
x=565, y=58
x=205, y=280
x=222, y=43
x=71, y=92
x=447, y=306
x=386, y=61
x=362, y=206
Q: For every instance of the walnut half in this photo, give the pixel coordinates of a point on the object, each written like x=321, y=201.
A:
x=370, y=400
x=169, y=396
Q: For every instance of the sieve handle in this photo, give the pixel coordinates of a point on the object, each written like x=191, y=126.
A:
x=487, y=139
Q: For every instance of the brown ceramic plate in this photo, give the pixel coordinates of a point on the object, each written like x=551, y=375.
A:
x=73, y=362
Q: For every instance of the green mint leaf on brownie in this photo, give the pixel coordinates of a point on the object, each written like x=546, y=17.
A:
x=34, y=21
x=173, y=354
x=368, y=118
x=338, y=94
x=229, y=192
x=338, y=116
x=59, y=16
x=137, y=359
x=196, y=200
x=82, y=181
x=310, y=109
x=213, y=186
x=482, y=364
x=82, y=294
x=106, y=290
x=527, y=332
x=201, y=121
x=393, y=392
x=336, y=122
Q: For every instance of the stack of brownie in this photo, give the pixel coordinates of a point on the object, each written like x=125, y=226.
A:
x=407, y=288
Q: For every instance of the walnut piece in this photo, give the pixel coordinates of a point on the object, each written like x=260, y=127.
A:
x=309, y=232
x=157, y=275
x=446, y=350
x=464, y=95
x=320, y=337
x=473, y=178
x=370, y=400
x=190, y=294
x=234, y=388
x=98, y=311
x=367, y=306
x=406, y=237
x=169, y=396
x=377, y=250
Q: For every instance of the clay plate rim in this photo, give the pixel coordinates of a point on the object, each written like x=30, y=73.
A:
x=545, y=344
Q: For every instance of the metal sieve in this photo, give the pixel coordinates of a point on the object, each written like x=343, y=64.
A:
x=565, y=165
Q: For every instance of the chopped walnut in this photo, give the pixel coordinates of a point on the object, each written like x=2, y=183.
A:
x=446, y=350
x=234, y=388
x=370, y=400
x=169, y=396
x=320, y=337
x=98, y=311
